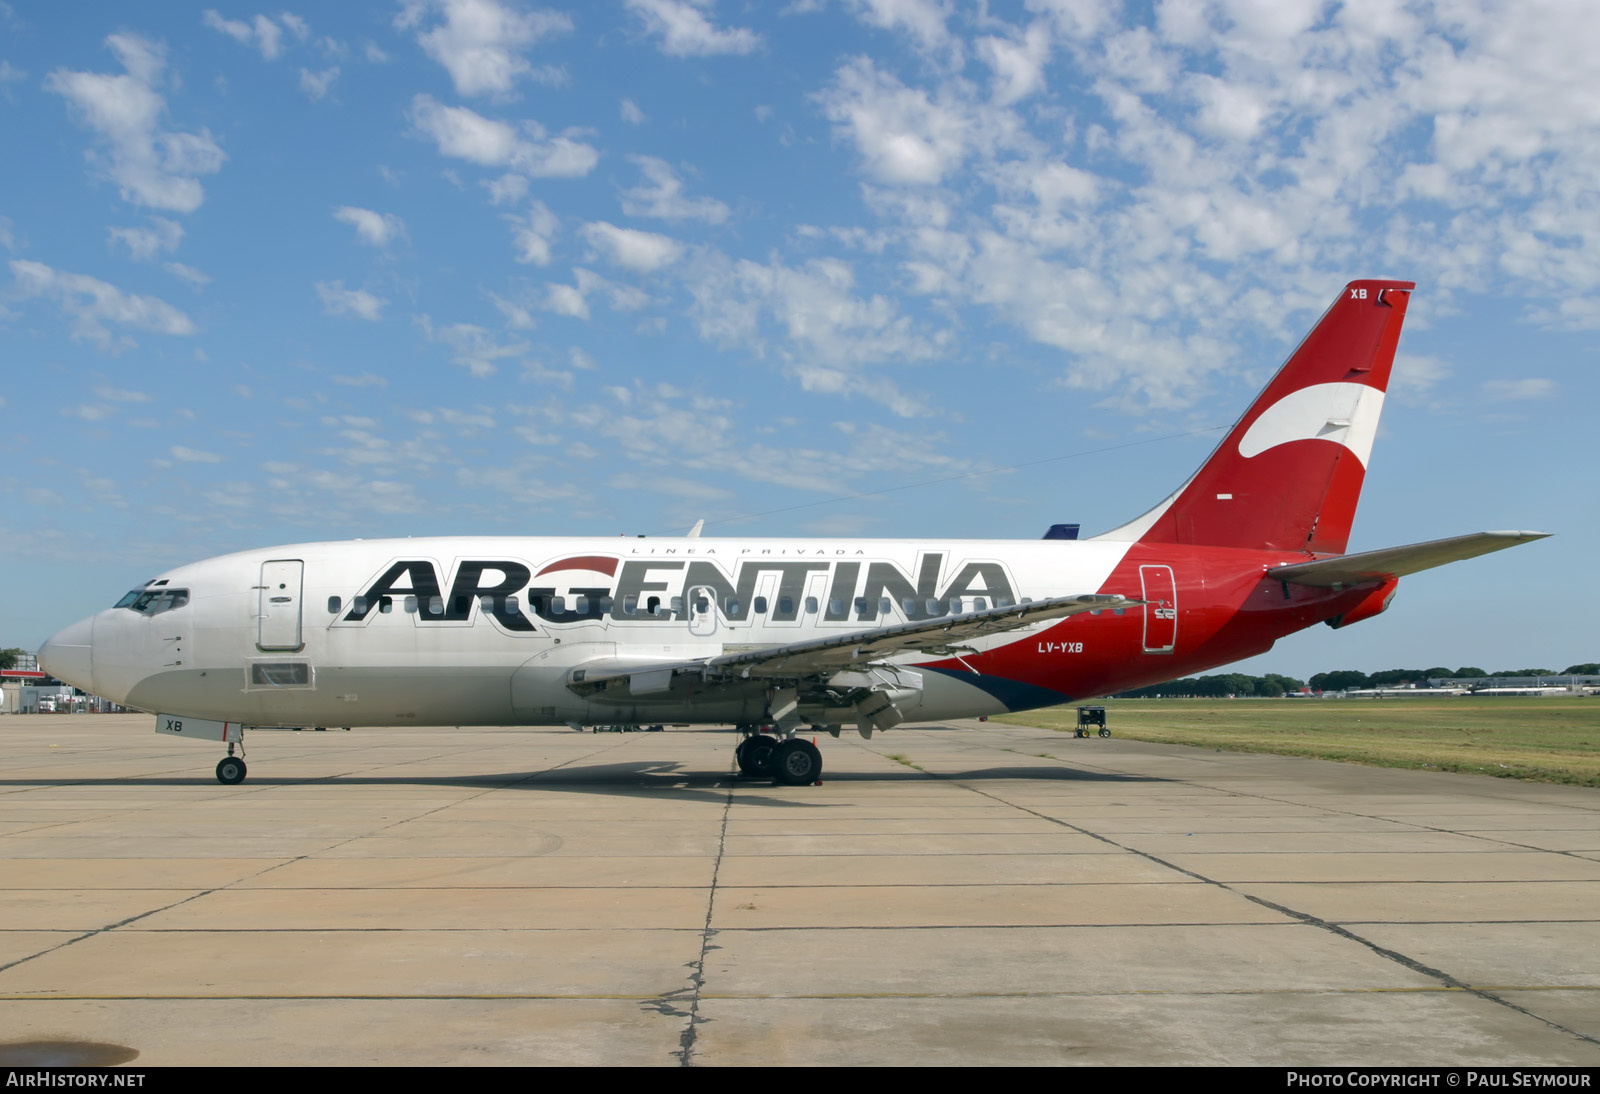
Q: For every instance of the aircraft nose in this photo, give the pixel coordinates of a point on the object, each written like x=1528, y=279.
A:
x=69, y=655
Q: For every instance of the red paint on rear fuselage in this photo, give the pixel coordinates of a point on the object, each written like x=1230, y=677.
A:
x=1227, y=606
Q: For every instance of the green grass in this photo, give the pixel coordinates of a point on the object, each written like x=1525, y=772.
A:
x=1553, y=740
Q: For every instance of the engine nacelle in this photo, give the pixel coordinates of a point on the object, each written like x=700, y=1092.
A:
x=1372, y=604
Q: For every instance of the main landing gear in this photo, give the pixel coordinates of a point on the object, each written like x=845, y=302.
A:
x=793, y=762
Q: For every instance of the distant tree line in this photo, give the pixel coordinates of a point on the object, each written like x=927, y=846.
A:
x=1224, y=684
x=1344, y=679
x=1272, y=685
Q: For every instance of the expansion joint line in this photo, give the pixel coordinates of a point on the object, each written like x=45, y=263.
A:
x=1303, y=917
x=291, y=860
x=697, y=972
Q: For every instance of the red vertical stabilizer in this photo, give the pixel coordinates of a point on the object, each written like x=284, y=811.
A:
x=1288, y=475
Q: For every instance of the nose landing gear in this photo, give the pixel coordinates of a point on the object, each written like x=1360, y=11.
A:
x=231, y=769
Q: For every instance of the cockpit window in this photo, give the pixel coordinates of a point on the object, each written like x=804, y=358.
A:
x=154, y=601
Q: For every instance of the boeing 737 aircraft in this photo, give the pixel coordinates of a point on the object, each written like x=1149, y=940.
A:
x=774, y=635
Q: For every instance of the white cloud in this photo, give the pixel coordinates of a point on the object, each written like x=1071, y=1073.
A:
x=1415, y=375
x=879, y=389
x=467, y=421
x=10, y=73
x=922, y=20
x=316, y=85
x=260, y=33
x=573, y=300
x=902, y=135
x=465, y=134
x=121, y=395
x=374, y=228
x=146, y=243
x=631, y=113
x=508, y=189
x=153, y=166
x=618, y=297
x=93, y=303
x=531, y=234
x=685, y=31
x=1529, y=387
x=198, y=279
x=366, y=379
x=566, y=300
x=516, y=316
x=661, y=196
x=658, y=426
x=810, y=317
x=480, y=42
x=1017, y=63
x=193, y=455
x=472, y=347
x=89, y=412
x=338, y=300
x=636, y=250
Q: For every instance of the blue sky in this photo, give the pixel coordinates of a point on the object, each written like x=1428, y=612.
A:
x=474, y=266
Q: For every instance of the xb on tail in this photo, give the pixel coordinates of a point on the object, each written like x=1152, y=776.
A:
x=1288, y=474
x=773, y=636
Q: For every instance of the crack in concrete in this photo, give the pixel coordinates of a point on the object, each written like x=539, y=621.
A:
x=1304, y=917
x=697, y=968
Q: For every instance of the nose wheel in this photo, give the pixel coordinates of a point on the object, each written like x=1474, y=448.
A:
x=230, y=770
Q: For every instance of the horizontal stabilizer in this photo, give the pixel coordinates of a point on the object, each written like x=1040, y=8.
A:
x=1398, y=561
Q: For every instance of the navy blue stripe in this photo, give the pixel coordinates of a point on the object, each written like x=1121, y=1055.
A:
x=1015, y=694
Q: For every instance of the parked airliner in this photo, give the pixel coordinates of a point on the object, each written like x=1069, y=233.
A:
x=776, y=635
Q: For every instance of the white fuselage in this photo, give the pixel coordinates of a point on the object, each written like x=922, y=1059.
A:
x=489, y=631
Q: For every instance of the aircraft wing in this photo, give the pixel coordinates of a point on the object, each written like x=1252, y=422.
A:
x=855, y=649
x=933, y=636
x=1398, y=561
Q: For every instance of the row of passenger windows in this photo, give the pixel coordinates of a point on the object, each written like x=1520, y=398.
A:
x=656, y=606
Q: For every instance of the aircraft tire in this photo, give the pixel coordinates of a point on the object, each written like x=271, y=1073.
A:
x=755, y=755
x=230, y=771
x=796, y=763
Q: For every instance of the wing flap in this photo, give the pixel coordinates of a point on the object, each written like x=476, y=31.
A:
x=1390, y=562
